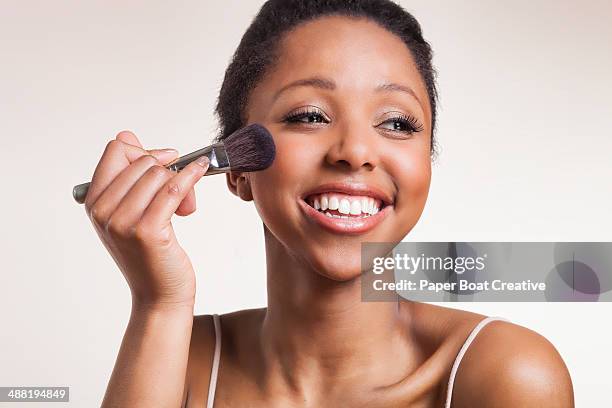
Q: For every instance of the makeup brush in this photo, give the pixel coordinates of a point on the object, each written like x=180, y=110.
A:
x=248, y=149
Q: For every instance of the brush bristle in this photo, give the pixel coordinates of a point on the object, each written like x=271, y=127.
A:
x=250, y=148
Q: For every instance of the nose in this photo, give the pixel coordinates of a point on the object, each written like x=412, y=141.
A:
x=352, y=149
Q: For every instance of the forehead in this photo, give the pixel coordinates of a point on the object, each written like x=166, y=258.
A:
x=357, y=53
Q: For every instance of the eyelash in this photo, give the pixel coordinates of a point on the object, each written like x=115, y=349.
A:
x=294, y=117
x=408, y=123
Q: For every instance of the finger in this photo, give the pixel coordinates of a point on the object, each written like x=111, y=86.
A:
x=116, y=157
x=135, y=202
x=111, y=196
x=164, y=156
x=170, y=196
x=114, y=193
x=188, y=205
x=128, y=137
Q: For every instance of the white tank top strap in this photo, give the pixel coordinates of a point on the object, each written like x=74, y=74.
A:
x=214, y=373
x=462, y=351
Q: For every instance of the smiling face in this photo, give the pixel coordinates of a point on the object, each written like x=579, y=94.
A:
x=351, y=120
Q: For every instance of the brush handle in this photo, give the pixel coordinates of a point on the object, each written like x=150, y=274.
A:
x=219, y=163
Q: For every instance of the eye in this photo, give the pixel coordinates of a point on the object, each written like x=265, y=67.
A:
x=306, y=115
x=401, y=123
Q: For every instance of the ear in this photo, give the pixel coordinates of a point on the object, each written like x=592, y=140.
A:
x=239, y=184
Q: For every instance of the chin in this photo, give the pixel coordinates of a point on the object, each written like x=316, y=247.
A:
x=341, y=266
x=340, y=276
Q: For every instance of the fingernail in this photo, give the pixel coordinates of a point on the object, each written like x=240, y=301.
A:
x=203, y=161
x=169, y=150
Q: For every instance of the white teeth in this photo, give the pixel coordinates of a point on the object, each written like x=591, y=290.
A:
x=337, y=216
x=327, y=214
x=334, y=204
x=345, y=206
x=356, y=207
x=324, y=203
x=359, y=208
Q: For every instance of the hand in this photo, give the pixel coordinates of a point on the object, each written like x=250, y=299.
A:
x=130, y=202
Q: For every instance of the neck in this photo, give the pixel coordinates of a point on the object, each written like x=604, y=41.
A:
x=318, y=331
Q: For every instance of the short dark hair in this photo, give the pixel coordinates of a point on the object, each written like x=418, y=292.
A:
x=258, y=49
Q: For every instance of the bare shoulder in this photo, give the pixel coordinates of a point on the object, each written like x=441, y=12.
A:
x=202, y=347
x=508, y=365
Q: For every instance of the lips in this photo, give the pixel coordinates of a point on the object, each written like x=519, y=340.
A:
x=346, y=208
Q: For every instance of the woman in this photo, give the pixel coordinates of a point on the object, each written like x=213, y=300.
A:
x=347, y=90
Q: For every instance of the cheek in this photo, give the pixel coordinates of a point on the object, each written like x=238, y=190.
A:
x=411, y=169
x=276, y=189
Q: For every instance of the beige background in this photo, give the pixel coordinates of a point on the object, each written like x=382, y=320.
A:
x=525, y=125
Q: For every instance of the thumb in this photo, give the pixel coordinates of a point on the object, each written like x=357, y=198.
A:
x=165, y=156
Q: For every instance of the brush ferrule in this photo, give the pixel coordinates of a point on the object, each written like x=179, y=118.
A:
x=219, y=162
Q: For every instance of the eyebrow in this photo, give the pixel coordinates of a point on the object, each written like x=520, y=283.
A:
x=317, y=82
x=398, y=88
x=329, y=85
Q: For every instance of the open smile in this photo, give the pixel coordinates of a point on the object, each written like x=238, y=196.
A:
x=346, y=208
